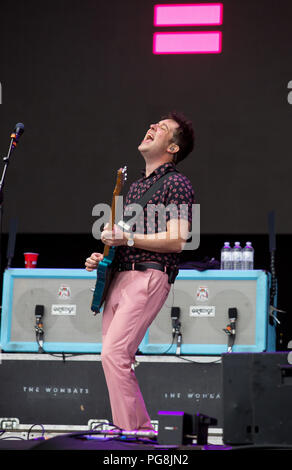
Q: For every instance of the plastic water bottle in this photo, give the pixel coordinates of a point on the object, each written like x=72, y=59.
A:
x=247, y=256
x=237, y=256
x=226, y=256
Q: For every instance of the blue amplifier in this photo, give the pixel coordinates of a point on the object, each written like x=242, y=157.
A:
x=202, y=299
x=195, y=317
x=63, y=296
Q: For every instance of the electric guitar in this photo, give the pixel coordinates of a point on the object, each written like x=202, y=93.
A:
x=104, y=270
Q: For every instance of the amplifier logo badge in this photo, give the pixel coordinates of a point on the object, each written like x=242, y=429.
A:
x=202, y=293
x=64, y=292
x=202, y=311
x=63, y=309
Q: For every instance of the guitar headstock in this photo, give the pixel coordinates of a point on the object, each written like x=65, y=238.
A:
x=121, y=179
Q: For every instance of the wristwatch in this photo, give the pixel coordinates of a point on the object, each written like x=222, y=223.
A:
x=130, y=241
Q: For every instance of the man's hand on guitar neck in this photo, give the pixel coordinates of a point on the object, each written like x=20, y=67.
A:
x=92, y=262
x=114, y=236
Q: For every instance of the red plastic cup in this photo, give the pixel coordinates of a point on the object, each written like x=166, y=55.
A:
x=30, y=260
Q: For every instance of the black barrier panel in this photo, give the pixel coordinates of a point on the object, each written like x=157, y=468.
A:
x=257, y=391
x=42, y=389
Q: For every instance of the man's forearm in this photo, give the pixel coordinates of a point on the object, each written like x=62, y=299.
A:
x=170, y=241
x=160, y=242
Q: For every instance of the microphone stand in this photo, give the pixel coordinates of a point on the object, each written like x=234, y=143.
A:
x=176, y=324
x=39, y=327
x=6, y=163
x=13, y=143
x=230, y=329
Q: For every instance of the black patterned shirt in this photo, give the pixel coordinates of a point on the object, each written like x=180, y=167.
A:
x=176, y=195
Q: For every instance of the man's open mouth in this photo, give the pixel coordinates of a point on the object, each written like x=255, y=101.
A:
x=149, y=137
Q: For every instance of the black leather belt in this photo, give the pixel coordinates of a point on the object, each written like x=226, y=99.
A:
x=171, y=272
x=142, y=266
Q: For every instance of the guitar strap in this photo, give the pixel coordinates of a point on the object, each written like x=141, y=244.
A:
x=144, y=200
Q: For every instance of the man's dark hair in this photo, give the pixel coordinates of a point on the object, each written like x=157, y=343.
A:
x=183, y=135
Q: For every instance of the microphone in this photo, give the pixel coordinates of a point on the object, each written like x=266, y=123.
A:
x=18, y=131
x=232, y=314
x=175, y=314
x=39, y=311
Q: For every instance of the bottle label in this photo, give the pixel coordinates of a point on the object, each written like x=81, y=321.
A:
x=226, y=256
x=247, y=256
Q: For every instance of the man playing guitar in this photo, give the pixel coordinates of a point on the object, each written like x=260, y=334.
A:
x=146, y=263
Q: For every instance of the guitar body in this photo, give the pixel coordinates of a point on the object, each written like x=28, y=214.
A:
x=104, y=277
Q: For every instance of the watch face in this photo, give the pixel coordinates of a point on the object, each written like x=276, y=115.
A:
x=130, y=242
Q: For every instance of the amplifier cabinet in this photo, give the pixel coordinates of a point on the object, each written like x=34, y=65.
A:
x=68, y=322
x=204, y=299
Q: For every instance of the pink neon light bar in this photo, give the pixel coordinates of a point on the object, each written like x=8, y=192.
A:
x=187, y=43
x=188, y=14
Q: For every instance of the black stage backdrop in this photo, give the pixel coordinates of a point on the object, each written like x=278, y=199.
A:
x=82, y=77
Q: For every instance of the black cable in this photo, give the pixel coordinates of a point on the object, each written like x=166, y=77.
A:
x=199, y=362
x=62, y=355
x=98, y=425
x=12, y=437
x=30, y=429
x=165, y=352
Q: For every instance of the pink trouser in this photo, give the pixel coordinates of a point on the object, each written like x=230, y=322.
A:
x=134, y=299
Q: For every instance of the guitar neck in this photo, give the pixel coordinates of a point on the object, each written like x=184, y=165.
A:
x=120, y=179
x=106, y=251
x=111, y=224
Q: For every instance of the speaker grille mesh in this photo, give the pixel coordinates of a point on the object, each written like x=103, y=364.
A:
x=222, y=295
x=79, y=327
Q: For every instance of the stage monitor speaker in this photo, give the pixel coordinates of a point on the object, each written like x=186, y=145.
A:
x=257, y=399
x=174, y=428
x=201, y=302
x=63, y=296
